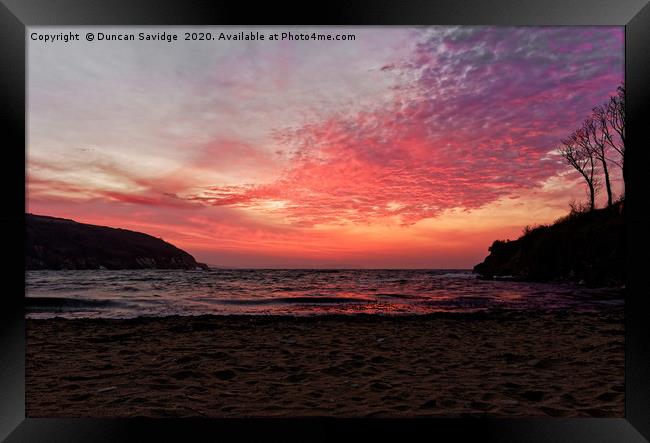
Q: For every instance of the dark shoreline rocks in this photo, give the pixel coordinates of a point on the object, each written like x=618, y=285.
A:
x=586, y=248
x=57, y=243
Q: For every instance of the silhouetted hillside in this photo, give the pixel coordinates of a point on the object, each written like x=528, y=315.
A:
x=587, y=247
x=57, y=243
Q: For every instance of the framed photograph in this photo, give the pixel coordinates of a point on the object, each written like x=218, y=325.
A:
x=372, y=219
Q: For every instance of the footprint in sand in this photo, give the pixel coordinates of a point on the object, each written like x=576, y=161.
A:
x=183, y=375
x=380, y=386
x=431, y=404
x=226, y=374
x=296, y=378
x=533, y=395
x=334, y=370
x=378, y=359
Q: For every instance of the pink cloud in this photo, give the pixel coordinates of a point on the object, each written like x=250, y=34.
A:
x=476, y=122
x=230, y=155
x=472, y=119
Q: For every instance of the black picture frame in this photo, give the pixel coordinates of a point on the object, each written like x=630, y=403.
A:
x=16, y=15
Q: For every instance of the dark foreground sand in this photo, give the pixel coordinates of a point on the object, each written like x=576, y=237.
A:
x=532, y=364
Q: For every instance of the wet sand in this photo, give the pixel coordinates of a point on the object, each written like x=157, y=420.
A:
x=498, y=365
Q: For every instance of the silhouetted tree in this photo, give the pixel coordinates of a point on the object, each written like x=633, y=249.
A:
x=593, y=140
x=599, y=140
x=608, y=134
x=576, y=154
x=613, y=124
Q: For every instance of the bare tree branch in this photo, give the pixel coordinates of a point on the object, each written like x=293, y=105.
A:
x=615, y=119
x=596, y=143
x=575, y=151
x=593, y=143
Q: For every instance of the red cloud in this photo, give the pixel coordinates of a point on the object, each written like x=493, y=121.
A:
x=473, y=119
x=471, y=123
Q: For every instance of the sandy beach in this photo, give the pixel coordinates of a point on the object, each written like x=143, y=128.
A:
x=499, y=364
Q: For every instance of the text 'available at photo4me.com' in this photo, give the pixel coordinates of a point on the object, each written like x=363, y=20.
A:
x=170, y=36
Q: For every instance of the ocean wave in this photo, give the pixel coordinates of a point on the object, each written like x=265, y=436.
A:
x=291, y=300
x=47, y=303
x=400, y=296
x=457, y=275
x=128, y=289
x=158, y=293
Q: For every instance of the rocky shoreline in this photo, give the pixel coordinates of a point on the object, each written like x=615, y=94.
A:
x=57, y=243
x=587, y=247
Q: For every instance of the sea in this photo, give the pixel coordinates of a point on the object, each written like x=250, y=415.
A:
x=294, y=292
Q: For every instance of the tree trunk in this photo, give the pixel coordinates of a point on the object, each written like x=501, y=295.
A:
x=624, y=179
x=607, y=184
x=592, y=197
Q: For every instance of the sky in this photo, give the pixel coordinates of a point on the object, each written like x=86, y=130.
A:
x=404, y=148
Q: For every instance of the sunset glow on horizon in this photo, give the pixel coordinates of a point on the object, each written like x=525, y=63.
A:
x=405, y=148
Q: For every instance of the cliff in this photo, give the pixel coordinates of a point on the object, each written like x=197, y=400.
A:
x=587, y=247
x=57, y=243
